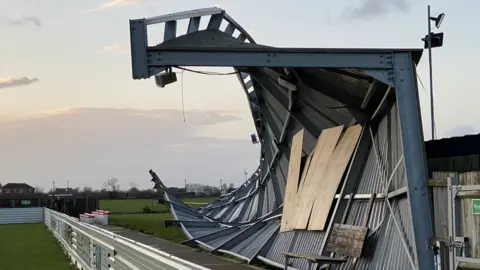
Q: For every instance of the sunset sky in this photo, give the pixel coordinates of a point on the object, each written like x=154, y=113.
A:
x=70, y=110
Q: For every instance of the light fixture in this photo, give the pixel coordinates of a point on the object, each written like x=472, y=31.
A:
x=254, y=138
x=438, y=20
x=165, y=77
x=432, y=40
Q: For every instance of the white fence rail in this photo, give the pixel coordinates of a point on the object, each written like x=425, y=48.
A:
x=90, y=247
x=21, y=215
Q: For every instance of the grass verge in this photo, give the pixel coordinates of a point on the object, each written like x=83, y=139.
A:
x=132, y=206
x=30, y=247
x=149, y=224
x=136, y=206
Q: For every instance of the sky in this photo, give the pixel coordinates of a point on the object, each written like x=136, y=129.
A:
x=70, y=110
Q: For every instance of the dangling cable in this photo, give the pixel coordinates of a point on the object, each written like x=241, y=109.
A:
x=183, y=102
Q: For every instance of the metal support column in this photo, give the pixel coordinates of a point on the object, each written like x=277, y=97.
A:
x=453, y=187
x=432, y=108
x=414, y=157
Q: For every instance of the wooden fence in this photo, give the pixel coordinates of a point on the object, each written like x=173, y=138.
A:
x=467, y=220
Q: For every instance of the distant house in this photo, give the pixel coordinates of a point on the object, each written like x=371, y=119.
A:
x=63, y=192
x=208, y=191
x=17, y=188
x=200, y=189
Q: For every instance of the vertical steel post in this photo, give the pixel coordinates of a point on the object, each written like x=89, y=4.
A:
x=429, y=42
x=452, y=185
x=414, y=157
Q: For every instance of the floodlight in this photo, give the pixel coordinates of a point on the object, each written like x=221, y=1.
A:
x=439, y=20
x=254, y=139
x=165, y=78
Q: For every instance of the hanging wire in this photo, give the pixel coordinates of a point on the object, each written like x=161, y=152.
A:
x=183, y=98
x=425, y=90
x=183, y=69
x=182, y=92
x=183, y=101
x=421, y=83
x=207, y=72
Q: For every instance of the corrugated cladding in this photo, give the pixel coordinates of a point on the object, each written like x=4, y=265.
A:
x=389, y=243
x=21, y=215
x=384, y=238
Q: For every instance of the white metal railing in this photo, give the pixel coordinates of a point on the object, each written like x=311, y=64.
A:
x=90, y=247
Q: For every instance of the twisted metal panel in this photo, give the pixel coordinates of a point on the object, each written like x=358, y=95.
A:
x=323, y=98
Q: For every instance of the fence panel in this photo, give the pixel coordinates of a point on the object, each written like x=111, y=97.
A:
x=91, y=247
x=21, y=215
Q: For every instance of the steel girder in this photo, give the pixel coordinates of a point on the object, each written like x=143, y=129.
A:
x=375, y=87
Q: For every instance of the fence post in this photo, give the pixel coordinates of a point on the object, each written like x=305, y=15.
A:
x=453, y=186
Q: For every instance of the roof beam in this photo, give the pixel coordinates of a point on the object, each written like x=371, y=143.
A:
x=164, y=55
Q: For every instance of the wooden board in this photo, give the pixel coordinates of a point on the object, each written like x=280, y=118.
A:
x=347, y=240
x=305, y=170
x=294, y=166
x=315, y=258
x=324, y=148
x=328, y=184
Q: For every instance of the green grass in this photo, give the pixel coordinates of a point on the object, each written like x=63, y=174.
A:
x=200, y=199
x=198, y=202
x=131, y=206
x=136, y=206
x=150, y=224
x=30, y=247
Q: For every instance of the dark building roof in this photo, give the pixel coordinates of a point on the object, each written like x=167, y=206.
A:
x=63, y=190
x=16, y=186
x=453, y=147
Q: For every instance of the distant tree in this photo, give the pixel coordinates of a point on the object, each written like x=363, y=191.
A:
x=112, y=185
x=75, y=191
x=87, y=190
x=37, y=189
x=133, y=190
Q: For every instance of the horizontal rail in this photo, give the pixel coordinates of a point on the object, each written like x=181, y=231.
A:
x=90, y=247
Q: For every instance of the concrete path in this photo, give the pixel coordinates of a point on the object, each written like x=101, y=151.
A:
x=202, y=258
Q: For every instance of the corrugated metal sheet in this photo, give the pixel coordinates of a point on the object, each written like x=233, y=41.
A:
x=21, y=215
x=248, y=209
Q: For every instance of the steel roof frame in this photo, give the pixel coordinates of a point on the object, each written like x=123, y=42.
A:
x=393, y=67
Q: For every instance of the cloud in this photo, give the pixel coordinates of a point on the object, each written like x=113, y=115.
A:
x=22, y=21
x=116, y=48
x=16, y=82
x=115, y=3
x=89, y=145
x=369, y=9
x=177, y=145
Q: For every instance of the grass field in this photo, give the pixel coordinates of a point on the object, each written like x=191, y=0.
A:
x=30, y=247
x=131, y=206
x=128, y=214
x=136, y=206
x=149, y=224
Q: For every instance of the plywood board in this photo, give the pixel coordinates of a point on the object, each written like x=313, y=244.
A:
x=324, y=148
x=294, y=166
x=347, y=240
x=330, y=181
x=305, y=170
x=328, y=184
